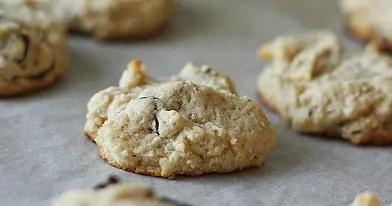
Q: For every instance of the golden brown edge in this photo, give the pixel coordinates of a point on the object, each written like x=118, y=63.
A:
x=155, y=173
x=88, y=135
x=29, y=87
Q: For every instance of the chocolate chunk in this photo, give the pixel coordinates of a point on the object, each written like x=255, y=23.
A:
x=355, y=132
x=152, y=97
x=111, y=181
x=156, y=124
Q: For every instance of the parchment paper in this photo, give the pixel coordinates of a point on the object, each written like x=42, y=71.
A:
x=44, y=153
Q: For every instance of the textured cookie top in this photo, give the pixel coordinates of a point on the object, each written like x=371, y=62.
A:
x=135, y=79
x=191, y=124
x=316, y=92
x=38, y=13
x=27, y=51
x=121, y=194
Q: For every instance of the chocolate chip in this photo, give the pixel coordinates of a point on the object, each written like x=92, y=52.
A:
x=355, y=132
x=151, y=97
x=156, y=124
x=208, y=70
x=111, y=181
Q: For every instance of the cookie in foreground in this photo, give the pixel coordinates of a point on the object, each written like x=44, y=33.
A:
x=317, y=91
x=366, y=199
x=31, y=57
x=114, y=193
x=189, y=124
x=370, y=20
x=103, y=19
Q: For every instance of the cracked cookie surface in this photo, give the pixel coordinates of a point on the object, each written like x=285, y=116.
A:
x=318, y=91
x=31, y=58
x=188, y=124
x=103, y=19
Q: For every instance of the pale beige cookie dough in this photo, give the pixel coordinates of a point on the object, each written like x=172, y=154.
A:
x=189, y=124
x=317, y=92
x=366, y=199
x=103, y=19
x=113, y=193
x=31, y=58
x=370, y=20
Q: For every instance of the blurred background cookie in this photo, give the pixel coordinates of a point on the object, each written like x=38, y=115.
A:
x=31, y=57
x=103, y=19
x=114, y=193
x=370, y=20
x=318, y=91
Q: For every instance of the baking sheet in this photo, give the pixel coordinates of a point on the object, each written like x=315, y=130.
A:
x=43, y=151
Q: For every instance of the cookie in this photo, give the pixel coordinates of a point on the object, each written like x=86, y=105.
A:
x=189, y=124
x=317, y=91
x=31, y=57
x=366, y=199
x=370, y=20
x=103, y=19
x=113, y=193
